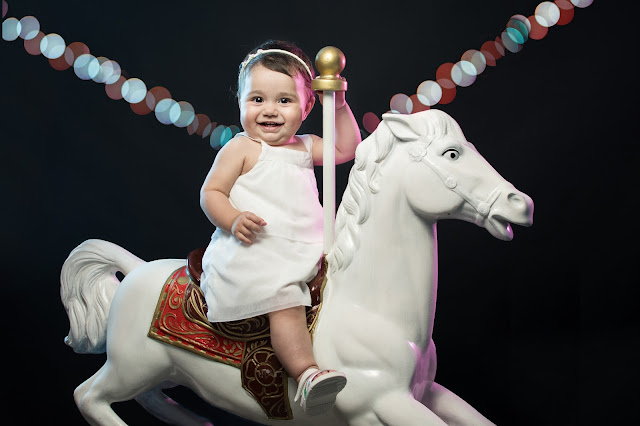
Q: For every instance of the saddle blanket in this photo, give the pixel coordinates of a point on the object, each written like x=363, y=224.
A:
x=180, y=320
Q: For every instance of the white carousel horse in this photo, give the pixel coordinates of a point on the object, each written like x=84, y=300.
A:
x=379, y=300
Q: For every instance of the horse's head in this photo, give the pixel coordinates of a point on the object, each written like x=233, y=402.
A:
x=447, y=177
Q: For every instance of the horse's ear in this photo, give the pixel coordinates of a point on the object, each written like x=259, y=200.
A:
x=403, y=126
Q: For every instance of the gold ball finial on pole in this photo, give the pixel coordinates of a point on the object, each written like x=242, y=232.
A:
x=330, y=61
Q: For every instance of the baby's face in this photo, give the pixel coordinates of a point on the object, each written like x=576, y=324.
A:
x=273, y=105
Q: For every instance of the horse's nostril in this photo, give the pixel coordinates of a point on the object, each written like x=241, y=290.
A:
x=516, y=199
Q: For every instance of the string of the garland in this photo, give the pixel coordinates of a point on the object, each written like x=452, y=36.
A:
x=181, y=114
x=118, y=85
x=449, y=76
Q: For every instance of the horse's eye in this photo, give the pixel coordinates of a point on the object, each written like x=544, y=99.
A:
x=452, y=154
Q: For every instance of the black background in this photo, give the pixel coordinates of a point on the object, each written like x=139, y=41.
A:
x=537, y=331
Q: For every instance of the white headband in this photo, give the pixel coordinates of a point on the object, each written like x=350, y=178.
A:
x=264, y=52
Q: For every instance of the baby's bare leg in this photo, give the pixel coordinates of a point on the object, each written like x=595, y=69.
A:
x=291, y=340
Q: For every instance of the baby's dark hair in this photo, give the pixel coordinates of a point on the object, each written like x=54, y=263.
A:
x=279, y=62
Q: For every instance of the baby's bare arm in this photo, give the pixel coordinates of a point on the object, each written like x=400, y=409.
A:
x=214, y=195
x=347, y=131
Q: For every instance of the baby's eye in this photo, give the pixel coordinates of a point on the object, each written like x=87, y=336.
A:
x=257, y=99
x=285, y=100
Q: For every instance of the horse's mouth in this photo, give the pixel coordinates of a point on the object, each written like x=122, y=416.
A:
x=499, y=227
x=518, y=211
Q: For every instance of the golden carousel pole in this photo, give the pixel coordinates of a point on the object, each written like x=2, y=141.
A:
x=330, y=61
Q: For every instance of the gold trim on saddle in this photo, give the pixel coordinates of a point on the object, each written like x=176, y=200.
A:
x=180, y=320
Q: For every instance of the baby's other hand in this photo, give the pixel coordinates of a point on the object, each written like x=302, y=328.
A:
x=246, y=226
x=340, y=98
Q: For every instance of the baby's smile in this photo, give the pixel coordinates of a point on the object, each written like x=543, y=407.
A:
x=270, y=124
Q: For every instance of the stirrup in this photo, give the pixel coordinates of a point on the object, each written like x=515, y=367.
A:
x=317, y=391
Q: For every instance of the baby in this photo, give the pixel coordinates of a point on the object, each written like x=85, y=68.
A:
x=261, y=195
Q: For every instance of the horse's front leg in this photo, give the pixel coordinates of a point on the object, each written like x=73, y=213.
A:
x=445, y=404
x=399, y=408
x=451, y=408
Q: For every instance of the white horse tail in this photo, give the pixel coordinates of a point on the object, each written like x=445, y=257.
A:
x=87, y=284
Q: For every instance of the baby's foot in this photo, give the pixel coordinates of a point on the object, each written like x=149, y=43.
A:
x=317, y=390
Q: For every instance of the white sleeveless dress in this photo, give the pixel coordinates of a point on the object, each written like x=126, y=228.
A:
x=241, y=281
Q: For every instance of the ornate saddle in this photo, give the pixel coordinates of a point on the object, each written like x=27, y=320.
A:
x=181, y=320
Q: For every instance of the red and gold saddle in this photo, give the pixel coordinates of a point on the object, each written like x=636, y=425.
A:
x=181, y=320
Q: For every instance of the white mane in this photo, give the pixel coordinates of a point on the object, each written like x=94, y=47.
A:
x=365, y=175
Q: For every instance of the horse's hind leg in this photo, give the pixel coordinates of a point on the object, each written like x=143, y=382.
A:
x=83, y=388
x=169, y=411
x=94, y=407
x=95, y=396
x=400, y=409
